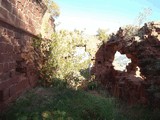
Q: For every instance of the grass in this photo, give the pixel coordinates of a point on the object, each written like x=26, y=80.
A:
x=66, y=104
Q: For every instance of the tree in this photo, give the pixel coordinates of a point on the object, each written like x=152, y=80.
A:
x=130, y=31
x=53, y=8
x=62, y=62
x=143, y=16
x=102, y=34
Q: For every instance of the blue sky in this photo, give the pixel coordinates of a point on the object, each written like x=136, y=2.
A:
x=89, y=15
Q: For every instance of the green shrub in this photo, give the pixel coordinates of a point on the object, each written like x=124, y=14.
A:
x=58, y=60
x=92, y=85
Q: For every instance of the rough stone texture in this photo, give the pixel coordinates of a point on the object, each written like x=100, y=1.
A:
x=47, y=27
x=144, y=52
x=24, y=14
x=20, y=22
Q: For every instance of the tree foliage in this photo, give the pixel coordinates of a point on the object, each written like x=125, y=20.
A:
x=129, y=31
x=53, y=8
x=102, y=34
x=143, y=16
x=62, y=63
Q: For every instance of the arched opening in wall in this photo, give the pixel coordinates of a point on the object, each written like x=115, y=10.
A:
x=120, y=61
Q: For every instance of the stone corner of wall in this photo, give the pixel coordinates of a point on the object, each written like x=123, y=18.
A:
x=42, y=5
x=24, y=15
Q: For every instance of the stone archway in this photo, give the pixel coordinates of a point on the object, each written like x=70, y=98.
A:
x=141, y=75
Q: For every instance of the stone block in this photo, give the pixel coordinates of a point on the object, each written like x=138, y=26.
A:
x=1, y=95
x=1, y=58
x=4, y=13
x=2, y=39
x=9, y=82
x=4, y=94
x=15, y=11
x=10, y=33
x=23, y=1
x=20, y=5
x=2, y=47
x=18, y=35
x=12, y=65
x=13, y=2
x=8, y=48
x=22, y=25
x=1, y=67
x=20, y=86
x=5, y=67
x=7, y=5
x=11, y=19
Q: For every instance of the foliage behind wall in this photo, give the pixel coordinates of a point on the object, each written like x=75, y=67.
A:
x=57, y=59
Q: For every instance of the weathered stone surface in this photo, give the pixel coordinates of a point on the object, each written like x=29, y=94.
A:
x=14, y=12
x=18, y=27
x=144, y=52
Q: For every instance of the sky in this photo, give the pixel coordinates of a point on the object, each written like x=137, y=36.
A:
x=89, y=15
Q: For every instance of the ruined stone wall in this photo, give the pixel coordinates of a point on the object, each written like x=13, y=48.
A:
x=20, y=23
x=144, y=51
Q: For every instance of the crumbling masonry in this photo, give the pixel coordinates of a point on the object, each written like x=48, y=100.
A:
x=144, y=52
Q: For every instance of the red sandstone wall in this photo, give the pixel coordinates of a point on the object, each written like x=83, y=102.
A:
x=20, y=22
x=144, y=52
x=24, y=14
